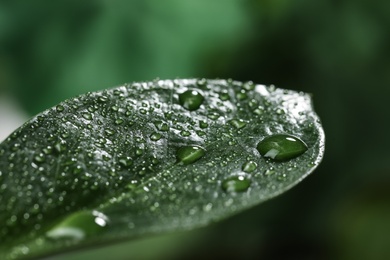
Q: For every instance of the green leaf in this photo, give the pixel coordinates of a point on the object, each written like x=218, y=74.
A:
x=145, y=158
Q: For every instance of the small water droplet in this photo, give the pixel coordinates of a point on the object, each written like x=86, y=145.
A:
x=143, y=111
x=189, y=154
x=224, y=96
x=47, y=150
x=213, y=116
x=60, y=147
x=40, y=158
x=87, y=116
x=237, y=123
x=119, y=121
x=191, y=100
x=203, y=124
x=281, y=147
x=249, y=166
x=109, y=132
x=103, y=99
x=125, y=161
x=185, y=133
x=242, y=95
x=162, y=126
x=139, y=151
x=60, y=108
x=155, y=136
x=249, y=85
x=236, y=184
x=259, y=110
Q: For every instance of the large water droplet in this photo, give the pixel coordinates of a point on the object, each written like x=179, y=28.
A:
x=191, y=100
x=79, y=225
x=281, y=147
x=189, y=154
x=236, y=184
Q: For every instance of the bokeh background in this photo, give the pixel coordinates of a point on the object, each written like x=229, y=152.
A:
x=338, y=50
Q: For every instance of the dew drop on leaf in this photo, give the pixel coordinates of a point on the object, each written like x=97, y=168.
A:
x=59, y=108
x=281, y=147
x=249, y=166
x=40, y=158
x=236, y=184
x=155, y=136
x=191, y=100
x=237, y=123
x=189, y=154
x=224, y=96
x=87, y=116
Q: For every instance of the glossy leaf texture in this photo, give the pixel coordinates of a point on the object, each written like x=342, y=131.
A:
x=150, y=157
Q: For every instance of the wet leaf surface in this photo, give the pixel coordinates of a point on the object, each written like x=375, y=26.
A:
x=148, y=158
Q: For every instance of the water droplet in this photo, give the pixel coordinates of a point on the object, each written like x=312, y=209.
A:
x=189, y=154
x=249, y=166
x=191, y=100
x=125, y=161
x=242, y=95
x=60, y=147
x=60, y=108
x=103, y=99
x=109, y=132
x=40, y=158
x=203, y=124
x=162, y=126
x=224, y=96
x=236, y=184
x=47, y=150
x=237, y=123
x=259, y=111
x=87, y=116
x=118, y=121
x=155, y=136
x=281, y=147
x=79, y=225
x=185, y=133
x=249, y=85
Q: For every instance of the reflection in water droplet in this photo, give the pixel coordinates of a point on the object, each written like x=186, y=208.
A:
x=281, y=147
x=237, y=123
x=79, y=225
x=236, y=184
x=191, y=100
x=249, y=166
x=189, y=154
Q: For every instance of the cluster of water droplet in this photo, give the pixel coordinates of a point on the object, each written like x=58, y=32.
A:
x=148, y=150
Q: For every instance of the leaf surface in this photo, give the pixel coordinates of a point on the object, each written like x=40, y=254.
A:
x=150, y=157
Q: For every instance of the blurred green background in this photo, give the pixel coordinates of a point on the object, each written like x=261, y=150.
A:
x=338, y=50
